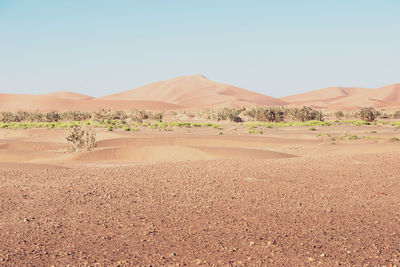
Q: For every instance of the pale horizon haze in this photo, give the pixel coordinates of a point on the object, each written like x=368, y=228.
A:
x=277, y=48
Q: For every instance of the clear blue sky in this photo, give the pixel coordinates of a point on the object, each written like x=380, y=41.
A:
x=278, y=48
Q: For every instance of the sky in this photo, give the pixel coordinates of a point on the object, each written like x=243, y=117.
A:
x=278, y=48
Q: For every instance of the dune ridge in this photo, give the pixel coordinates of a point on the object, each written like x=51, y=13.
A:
x=184, y=92
x=196, y=92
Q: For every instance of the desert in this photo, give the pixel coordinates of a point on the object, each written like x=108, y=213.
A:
x=199, y=133
x=256, y=185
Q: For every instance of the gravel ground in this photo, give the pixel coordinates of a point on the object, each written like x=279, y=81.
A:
x=342, y=210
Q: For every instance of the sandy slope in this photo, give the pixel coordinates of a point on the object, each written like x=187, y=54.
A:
x=349, y=98
x=62, y=102
x=196, y=91
x=186, y=92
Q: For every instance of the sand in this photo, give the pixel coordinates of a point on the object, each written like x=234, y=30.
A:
x=196, y=92
x=286, y=197
x=193, y=92
x=348, y=98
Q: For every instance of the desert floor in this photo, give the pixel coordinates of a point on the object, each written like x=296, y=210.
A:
x=289, y=196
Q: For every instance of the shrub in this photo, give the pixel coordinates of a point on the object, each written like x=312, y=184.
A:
x=35, y=116
x=368, y=114
x=396, y=115
x=139, y=115
x=8, y=117
x=339, y=114
x=232, y=114
x=272, y=114
x=82, y=138
x=158, y=116
x=52, y=116
x=75, y=116
x=118, y=115
x=306, y=114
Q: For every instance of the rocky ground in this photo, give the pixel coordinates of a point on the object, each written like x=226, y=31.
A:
x=325, y=210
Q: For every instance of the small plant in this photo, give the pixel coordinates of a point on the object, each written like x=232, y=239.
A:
x=110, y=128
x=354, y=137
x=396, y=115
x=127, y=128
x=220, y=133
x=82, y=138
x=312, y=129
x=394, y=138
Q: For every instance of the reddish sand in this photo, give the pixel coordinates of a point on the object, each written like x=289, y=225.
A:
x=284, y=198
x=186, y=92
x=196, y=91
x=335, y=98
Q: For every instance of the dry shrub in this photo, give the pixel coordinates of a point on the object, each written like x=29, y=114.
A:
x=339, y=114
x=82, y=138
x=306, y=114
x=270, y=114
x=368, y=114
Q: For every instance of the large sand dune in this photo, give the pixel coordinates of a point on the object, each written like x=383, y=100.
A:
x=196, y=91
x=186, y=92
x=348, y=97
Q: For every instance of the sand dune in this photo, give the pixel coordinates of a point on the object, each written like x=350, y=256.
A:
x=175, y=153
x=69, y=95
x=60, y=102
x=186, y=92
x=196, y=91
x=348, y=98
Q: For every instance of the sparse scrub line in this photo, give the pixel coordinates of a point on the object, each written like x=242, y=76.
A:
x=270, y=116
x=356, y=137
x=108, y=124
